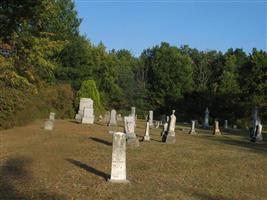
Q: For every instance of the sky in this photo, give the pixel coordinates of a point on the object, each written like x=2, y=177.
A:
x=203, y=24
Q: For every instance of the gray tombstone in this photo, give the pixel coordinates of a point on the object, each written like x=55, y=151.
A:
x=150, y=118
x=147, y=137
x=193, y=128
x=113, y=118
x=129, y=125
x=119, y=118
x=169, y=137
x=106, y=117
x=52, y=116
x=225, y=124
x=100, y=118
x=255, y=121
x=216, y=129
x=49, y=125
x=133, y=110
x=257, y=137
x=165, y=129
x=206, y=118
x=89, y=118
x=118, y=166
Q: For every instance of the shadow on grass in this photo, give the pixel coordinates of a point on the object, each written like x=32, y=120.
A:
x=101, y=141
x=88, y=168
x=203, y=196
x=14, y=170
x=74, y=121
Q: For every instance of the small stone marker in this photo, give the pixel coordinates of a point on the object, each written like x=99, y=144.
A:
x=49, y=125
x=113, y=118
x=216, y=129
x=129, y=124
x=257, y=137
x=100, y=118
x=118, y=166
x=106, y=117
x=133, y=109
x=150, y=118
x=52, y=116
x=226, y=124
x=206, y=119
x=193, y=128
x=157, y=124
x=169, y=137
x=147, y=137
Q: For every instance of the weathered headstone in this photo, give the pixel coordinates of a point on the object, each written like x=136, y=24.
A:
x=118, y=166
x=52, y=116
x=133, y=110
x=113, y=118
x=106, y=117
x=150, y=118
x=49, y=125
x=255, y=121
x=100, y=118
x=147, y=137
x=206, y=118
x=165, y=129
x=88, y=112
x=216, y=129
x=167, y=119
x=257, y=137
x=129, y=124
x=84, y=103
x=119, y=118
x=193, y=127
x=169, y=137
x=225, y=124
x=157, y=124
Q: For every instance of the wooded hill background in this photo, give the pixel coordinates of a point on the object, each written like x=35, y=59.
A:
x=48, y=60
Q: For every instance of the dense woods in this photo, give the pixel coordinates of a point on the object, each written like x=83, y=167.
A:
x=44, y=61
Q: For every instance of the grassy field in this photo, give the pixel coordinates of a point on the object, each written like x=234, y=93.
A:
x=74, y=160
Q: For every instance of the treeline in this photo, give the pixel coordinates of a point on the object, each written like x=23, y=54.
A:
x=48, y=60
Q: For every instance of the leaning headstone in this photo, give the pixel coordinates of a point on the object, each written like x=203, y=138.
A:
x=49, y=125
x=193, y=128
x=106, y=117
x=150, y=118
x=165, y=129
x=129, y=124
x=119, y=118
x=113, y=118
x=257, y=137
x=52, y=116
x=118, y=166
x=206, y=118
x=216, y=129
x=225, y=124
x=147, y=137
x=169, y=137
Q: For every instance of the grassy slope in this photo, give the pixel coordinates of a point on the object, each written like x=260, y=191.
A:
x=73, y=161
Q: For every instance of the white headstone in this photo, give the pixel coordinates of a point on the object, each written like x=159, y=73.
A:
x=119, y=118
x=118, y=166
x=88, y=116
x=216, y=129
x=193, y=127
x=86, y=111
x=147, y=137
x=157, y=124
x=129, y=124
x=165, y=129
x=113, y=118
x=133, y=109
x=169, y=137
x=106, y=117
x=49, y=125
x=257, y=137
x=226, y=124
x=52, y=116
x=150, y=118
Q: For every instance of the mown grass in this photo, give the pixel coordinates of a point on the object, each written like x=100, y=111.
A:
x=74, y=160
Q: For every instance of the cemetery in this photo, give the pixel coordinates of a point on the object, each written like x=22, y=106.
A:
x=133, y=100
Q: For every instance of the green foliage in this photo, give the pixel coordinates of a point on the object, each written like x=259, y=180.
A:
x=89, y=90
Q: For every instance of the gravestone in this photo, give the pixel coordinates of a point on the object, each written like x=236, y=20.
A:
x=150, y=118
x=257, y=137
x=133, y=109
x=113, y=118
x=119, y=118
x=206, y=119
x=129, y=124
x=193, y=128
x=52, y=116
x=118, y=166
x=85, y=103
x=216, y=129
x=169, y=137
x=49, y=125
x=106, y=117
x=167, y=119
x=226, y=124
x=147, y=137
x=100, y=118
x=157, y=124
x=165, y=129
x=255, y=121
